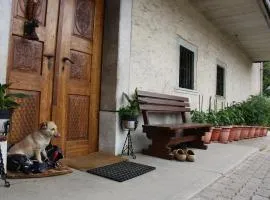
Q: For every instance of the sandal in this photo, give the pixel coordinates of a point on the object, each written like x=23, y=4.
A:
x=190, y=155
x=179, y=154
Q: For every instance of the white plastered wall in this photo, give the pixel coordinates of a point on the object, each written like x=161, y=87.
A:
x=256, y=78
x=5, y=19
x=157, y=28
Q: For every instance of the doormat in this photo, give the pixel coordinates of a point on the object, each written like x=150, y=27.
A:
x=92, y=161
x=121, y=171
x=60, y=170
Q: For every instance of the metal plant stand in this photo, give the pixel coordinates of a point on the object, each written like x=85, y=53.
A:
x=2, y=170
x=128, y=148
x=3, y=135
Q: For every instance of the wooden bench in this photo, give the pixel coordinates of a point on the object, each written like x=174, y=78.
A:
x=165, y=137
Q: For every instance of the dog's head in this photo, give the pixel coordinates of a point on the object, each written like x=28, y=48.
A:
x=49, y=128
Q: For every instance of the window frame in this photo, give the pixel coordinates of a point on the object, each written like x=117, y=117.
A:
x=224, y=67
x=194, y=49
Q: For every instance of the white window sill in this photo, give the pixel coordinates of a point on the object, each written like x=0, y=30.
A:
x=223, y=98
x=186, y=91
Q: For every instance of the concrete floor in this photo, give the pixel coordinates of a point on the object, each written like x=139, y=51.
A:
x=171, y=180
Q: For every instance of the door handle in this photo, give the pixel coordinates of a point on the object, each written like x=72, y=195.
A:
x=49, y=57
x=65, y=59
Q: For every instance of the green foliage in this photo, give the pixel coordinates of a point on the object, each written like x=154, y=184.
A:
x=211, y=118
x=198, y=116
x=7, y=101
x=254, y=111
x=223, y=118
x=132, y=110
x=236, y=114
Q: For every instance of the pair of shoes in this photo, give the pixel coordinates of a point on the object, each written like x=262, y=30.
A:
x=184, y=155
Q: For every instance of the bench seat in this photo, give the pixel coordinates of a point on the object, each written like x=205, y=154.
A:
x=174, y=127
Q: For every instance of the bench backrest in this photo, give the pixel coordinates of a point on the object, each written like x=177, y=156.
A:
x=162, y=103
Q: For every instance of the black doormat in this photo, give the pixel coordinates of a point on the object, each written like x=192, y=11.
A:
x=121, y=171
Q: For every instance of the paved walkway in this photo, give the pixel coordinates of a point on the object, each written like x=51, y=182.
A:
x=172, y=180
x=249, y=181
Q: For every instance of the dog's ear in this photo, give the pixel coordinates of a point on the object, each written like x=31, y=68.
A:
x=43, y=125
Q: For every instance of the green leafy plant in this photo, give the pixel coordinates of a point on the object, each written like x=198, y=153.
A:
x=211, y=118
x=256, y=110
x=224, y=117
x=132, y=110
x=198, y=116
x=7, y=100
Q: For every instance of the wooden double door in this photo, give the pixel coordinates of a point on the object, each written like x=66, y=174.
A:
x=60, y=71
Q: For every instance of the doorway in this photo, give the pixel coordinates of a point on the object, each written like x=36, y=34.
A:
x=60, y=71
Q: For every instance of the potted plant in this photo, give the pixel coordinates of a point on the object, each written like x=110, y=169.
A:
x=129, y=114
x=224, y=120
x=7, y=105
x=201, y=117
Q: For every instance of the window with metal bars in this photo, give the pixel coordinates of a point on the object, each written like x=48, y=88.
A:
x=186, y=68
x=267, y=6
x=220, y=81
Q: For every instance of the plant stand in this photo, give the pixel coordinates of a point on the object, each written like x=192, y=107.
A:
x=128, y=146
x=3, y=174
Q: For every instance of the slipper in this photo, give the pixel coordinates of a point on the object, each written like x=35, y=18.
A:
x=190, y=155
x=179, y=154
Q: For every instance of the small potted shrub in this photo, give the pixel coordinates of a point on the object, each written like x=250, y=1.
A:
x=224, y=121
x=201, y=117
x=212, y=119
x=7, y=105
x=129, y=114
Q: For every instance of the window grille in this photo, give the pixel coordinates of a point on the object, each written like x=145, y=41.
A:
x=186, y=68
x=220, y=81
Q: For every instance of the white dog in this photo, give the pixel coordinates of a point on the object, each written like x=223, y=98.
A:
x=35, y=143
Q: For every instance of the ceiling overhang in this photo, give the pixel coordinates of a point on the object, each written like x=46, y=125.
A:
x=247, y=21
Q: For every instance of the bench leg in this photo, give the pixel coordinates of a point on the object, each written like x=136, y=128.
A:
x=166, y=154
x=159, y=148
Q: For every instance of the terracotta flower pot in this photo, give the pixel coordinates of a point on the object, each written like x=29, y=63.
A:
x=237, y=133
x=247, y=130
x=261, y=132
x=251, y=132
x=207, y=137
x=244, y=132
x=215, y=134
x=265, y=130
x=257, y=132
x=232, y=134
x=224, y=135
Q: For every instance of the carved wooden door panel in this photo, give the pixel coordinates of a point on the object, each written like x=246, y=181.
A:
x=77, y=75
x=29, y=70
